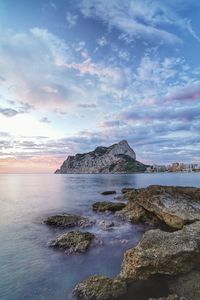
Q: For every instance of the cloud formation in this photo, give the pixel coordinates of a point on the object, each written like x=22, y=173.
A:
x=37, y=75
x=91, y=72
x=140, y=19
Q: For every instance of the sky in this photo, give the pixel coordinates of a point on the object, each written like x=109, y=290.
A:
x=75, y=75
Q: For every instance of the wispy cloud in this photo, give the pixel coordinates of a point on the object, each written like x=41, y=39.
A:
x=87, y=105
x=71, y=19
x=189, y=92
x=45, y=120
x=102, y=41
x=140, y=19
x=37, y=75
x=8, y=112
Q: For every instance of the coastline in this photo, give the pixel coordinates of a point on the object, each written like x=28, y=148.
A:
x=168, y=251
x=34, y=197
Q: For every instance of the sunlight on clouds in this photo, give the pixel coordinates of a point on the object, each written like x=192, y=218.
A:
x=27, y=125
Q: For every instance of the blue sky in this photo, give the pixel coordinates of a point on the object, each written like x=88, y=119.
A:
x=78, y=74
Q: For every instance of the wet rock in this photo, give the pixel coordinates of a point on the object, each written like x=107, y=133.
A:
x=187, y=285
x=107, y=206
x=176, y=206
x=74, y=241
x=100, y=288
x=106, y=224
x=170, y=297
x=134, y=213
x=69, y=220
x=125, y=190
x=120, y=198
x=108, y=193
x=160, y=252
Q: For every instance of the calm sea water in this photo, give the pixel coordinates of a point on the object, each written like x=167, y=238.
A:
x=29, y=269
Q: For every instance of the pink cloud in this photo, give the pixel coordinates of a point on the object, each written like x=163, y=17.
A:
x=88, y=67
x=189, y=92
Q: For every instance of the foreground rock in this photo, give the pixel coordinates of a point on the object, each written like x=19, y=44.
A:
x=175, y=206
x=162, y=252
x=171, y=257
x=105, y=193
x=68, y=220
x=118, y=158
x=186, y=285
x=74, y=241
x=135, y=213
x=126, y=190
x=170, y=297
x=100, y=288
x=107, y=206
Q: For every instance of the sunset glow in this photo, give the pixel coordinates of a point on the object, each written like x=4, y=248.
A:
x=79, y=74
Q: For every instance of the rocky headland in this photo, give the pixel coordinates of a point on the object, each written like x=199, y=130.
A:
x=166, y=262
x=118, y=158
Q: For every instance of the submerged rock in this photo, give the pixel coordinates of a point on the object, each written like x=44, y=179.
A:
x=106, y=224
x=120, y=198
x=108, y=193
x=175, y=206
x=68, y=220
x=108, y=206
x=162, y=252
x=100, y=288
x=73, y=241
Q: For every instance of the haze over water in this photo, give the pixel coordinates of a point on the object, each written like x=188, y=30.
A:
x=32, y=270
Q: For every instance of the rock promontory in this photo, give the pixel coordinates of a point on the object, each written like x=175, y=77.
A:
x=118, y=158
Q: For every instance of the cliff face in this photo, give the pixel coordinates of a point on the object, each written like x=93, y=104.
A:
x=118, y=158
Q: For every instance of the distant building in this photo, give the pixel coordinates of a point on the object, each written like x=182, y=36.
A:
x=174, y=167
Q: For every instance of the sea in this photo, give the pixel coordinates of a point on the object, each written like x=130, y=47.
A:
x=29, y=268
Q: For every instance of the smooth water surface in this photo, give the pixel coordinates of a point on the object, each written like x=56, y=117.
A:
x=29, y=269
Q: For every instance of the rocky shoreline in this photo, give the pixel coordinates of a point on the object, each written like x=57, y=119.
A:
x=165, y=263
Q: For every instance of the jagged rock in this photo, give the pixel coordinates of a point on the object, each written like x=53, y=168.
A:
x=175, y=206
x=108, y=193
x=118, y=158
x=106, y=224
x=162, y=252
x=68, y=220
x=108, y=206
x=100, y=288
x=73, y=241
x=187, y=285
x=132, y=212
